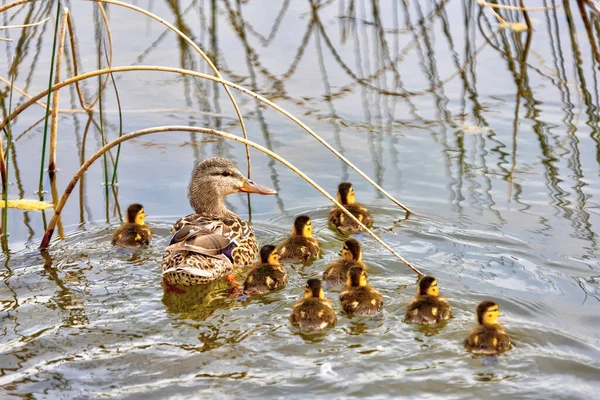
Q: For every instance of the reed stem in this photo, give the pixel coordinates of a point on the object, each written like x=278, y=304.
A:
x=55, y=97
x=50, y=79
x=58, y=209
x=91, y=74
x=5, y=183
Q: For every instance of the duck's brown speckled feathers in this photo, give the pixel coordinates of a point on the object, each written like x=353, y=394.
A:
x=208, y=244
x=313, y=313
x=488, y=340
x=205, y=248
x=299, y=249
x=264, y=277
x=344, y=224
x=132, y=235
x=361, y=301
x=427, y=310
x=488, y=337
x=335, y=273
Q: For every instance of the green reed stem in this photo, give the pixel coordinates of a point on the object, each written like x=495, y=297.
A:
x=114, y=175
x=103, y=136
x=50, y=81
x=6, y=157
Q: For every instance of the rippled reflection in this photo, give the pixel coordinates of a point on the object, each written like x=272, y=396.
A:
x=489, y=134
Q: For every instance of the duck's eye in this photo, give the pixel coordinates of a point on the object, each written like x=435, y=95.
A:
x=226, y=173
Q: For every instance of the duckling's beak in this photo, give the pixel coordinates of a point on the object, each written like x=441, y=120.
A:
x=250, y=186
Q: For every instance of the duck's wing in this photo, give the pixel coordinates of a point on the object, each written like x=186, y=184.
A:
x=204, y=236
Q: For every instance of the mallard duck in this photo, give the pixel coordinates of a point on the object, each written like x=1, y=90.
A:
x=335, y=274
x=134, y=232
x=358, y=297
x=209, y=244
x=428, y=307
x=300, y=246
x=488, y=337
x=341, y=221
x=314, y=311
x=267, y=274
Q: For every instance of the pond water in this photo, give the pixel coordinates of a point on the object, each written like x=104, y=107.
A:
x=492, y=141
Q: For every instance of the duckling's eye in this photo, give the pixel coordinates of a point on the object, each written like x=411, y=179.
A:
x=226, y=173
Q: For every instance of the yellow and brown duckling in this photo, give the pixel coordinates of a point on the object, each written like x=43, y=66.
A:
x=488, y=337
x=314, y=311
x=341, y=221
x=210, y=243
x=300, y=246
x=336, y=273
x=134, y=232
x=267, y=275
x=358, y=297
x=428, y=307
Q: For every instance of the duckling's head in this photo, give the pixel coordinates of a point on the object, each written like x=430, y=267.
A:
x=313, y=289
x=351, y=250
x=213, y=179
x=428, y=286
x=356, y=276
x=487, y=312
x=302, y=226
x=269, y=255
x=345, y=193
x=135, y=214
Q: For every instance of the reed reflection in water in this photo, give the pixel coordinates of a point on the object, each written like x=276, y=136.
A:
x=489, y=134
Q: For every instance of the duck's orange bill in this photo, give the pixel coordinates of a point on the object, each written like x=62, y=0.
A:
x=252, y=187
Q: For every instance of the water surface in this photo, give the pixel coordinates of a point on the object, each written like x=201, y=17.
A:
x=493, y=143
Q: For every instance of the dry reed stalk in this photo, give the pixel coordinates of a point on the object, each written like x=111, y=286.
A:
x=11, y=5
x=201, y=53
x=593, y=5
x=55, y=97
x=55, y=198
x=514, y=8
x=14, y=4
x=58, y=208
x=2, y=165
x=23, y=26
x=24, y=93
x=90, y=74
x=498, y=17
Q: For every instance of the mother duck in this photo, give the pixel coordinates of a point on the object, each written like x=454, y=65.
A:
x=209, y=244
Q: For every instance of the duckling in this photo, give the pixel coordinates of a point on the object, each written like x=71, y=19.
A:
x=134, y=232
x=314, y=311
x=488, y=337
x=357, y=297
x=427, y=307
x=341, y=221
x=267, y=274
x=335, y=273
x=300, y=246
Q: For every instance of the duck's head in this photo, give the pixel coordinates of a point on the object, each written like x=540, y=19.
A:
x=351, y=250
x=356, y=276
x=269, y=255
x=302, y=226
x=135, y=214
x=215, y=178
x=428, y=286
x=345, y=194
x=313, y=289
x=487, y=312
